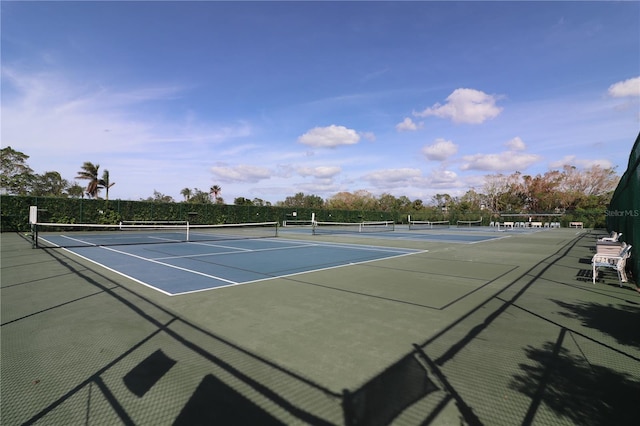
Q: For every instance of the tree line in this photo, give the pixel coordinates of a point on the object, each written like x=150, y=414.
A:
x=555, y=191
x=17, y=178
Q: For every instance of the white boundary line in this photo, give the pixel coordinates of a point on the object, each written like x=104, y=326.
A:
x=234, y=283
x=293, y=247
x=169, y=265
x=189, y=256
x=297, y=273
x=360, y=246
x=427, y=240
x=116, y=271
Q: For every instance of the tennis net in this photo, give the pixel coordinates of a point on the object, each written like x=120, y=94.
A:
x=297, y=222
x=469, y=223
x=428, y=224
x=348, y=227
x=154, y=222
x=47, y=235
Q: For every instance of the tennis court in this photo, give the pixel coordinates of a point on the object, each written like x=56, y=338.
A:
x=368, y=328
x=448, y=234
x=209, y=257
x=196, y=266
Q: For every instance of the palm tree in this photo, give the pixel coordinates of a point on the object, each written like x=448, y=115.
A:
x=215, y=190
x=89, y=171
x=186, y=193
x=105, y=182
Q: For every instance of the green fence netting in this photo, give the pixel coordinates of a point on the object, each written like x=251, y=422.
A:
x=623, y=214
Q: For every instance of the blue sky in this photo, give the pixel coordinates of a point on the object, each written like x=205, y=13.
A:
x=268, y=99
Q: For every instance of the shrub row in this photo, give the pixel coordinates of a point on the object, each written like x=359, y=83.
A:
x=15, y=213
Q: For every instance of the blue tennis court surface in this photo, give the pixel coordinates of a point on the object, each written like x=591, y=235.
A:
x=453, y=235
x=444, y=236
x=178, y=268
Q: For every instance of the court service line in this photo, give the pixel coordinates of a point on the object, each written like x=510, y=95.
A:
x=217, y=245
x=303, y=245
x=170, y=266
x=290, y=242
x=87, y=244
x=189, y=256
x=298, y=273
x=95, y=262
x=366, y=247
x=347, y=245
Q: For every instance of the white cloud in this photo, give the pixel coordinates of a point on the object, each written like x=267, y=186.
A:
x=406, y=125
x=507, y=161
x=516, y=144
x=572, y=160
x=465, y=106
x=329, y=137
x=440, y=150
x=241, y=173
x=61, y=122
x=370, y=136
x=630, y=87
x=392, y=177
x=318, y=187
x=321, y=172
x=501, y=162
x=442, y=178
x=69, y=115
x=54, y=91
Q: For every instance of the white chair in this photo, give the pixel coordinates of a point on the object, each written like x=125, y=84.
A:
x=613, y=237
x=601, y=260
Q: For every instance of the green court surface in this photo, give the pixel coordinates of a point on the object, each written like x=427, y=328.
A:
x=507, y=331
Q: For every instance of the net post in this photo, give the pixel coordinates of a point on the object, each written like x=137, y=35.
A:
x=314, y=224
x=34, y=235
x=188, y=239
x=33, y=220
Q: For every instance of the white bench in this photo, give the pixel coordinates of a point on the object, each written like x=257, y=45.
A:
x=617, y=262
x=609, y=248
x=576, y=225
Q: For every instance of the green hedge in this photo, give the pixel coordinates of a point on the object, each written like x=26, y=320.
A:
x=15, y=212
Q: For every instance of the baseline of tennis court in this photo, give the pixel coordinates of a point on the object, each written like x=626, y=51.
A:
x=180, y=268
